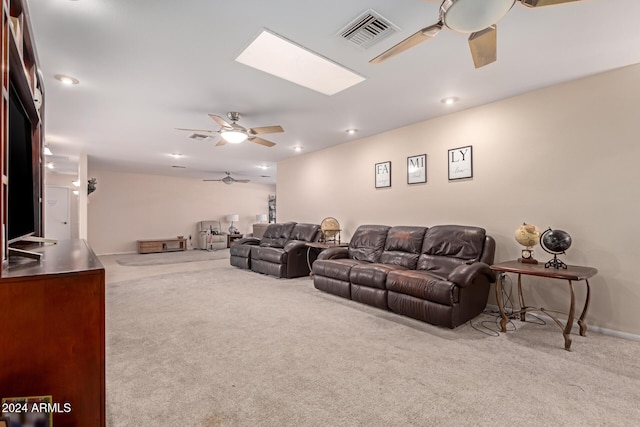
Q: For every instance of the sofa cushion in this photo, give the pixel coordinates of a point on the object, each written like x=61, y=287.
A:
x=335, y=268
x=368, y=242
x=240, y=250
x=304, y=232
x=274, y=255
x=276, y=235
x=423, y=285
x=403, y=246
x=447, y=246
x=372, y=275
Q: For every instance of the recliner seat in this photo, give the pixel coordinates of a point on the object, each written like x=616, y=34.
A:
x=439, y=275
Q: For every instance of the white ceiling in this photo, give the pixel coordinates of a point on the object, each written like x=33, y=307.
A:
x=148, y=67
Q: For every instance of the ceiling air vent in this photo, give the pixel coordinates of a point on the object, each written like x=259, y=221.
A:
x=198, y=136
x=367, y=29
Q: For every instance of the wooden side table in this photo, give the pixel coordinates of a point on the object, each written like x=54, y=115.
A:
x=570, y=274
x=231, y=238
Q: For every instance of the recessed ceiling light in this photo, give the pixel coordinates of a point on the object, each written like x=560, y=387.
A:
x=297, y=148
x=47, y=151
x=450, y=100
x=351, y=131
x=282, y=58
x=263, y=167
x=176, y=155
x=50, y=165
x=76, y=192
x=67, y=80
x=76, y=183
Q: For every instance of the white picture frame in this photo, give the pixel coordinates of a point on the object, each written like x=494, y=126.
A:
x=417, y=169
x=460, y=162
x=382, y=172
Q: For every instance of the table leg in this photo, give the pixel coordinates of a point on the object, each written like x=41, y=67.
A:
x=567, y=329
x=523, y=314
x=309, y=261
x=581, y=322
x=503, y=320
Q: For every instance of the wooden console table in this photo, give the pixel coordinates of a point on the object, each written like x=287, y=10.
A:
x=570, y=274
x=162, y=245
x=53, y=326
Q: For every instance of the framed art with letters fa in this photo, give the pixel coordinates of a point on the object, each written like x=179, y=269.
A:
x=383, y=174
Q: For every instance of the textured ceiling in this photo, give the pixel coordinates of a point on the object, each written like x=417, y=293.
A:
x=148, y=67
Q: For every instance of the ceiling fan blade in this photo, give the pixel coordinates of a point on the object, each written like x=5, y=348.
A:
x=222, y=122
x=483, y=45
x=262, y=141
x=221, y=142
x=411, y=41
x=540, y=3
x=243, y=181
x=210, y=180
x=266, y=129
x=206, y=132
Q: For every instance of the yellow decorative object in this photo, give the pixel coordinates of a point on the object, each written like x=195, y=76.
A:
x=527, y=235
x=330, y=228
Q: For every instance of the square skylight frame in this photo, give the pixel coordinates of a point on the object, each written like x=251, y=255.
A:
x=280, y=57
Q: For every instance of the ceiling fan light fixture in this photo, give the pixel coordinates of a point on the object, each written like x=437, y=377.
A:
x=233, y=136
x=469, y=16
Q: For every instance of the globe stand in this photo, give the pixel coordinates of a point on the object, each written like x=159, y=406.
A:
x=555, y=263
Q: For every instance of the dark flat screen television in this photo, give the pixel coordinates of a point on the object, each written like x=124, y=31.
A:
x=21, y=203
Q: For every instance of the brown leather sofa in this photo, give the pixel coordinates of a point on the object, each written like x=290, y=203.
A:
x=281, y=252
x=439, y=275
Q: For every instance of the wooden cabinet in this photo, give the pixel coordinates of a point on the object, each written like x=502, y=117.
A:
x=53, y=331
x=162, y=245
x=22, y=83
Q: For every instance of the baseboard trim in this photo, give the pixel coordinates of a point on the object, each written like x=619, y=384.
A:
x=590, y=328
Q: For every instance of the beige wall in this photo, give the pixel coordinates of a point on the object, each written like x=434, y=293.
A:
x=127, y=207
x=564, y=157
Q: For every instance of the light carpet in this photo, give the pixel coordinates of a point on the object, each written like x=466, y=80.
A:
x=228, y=347
x=174, y=257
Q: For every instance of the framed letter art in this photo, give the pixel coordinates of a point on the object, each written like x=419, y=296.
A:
x=383, y=174
x=417, y=169
x=461, y=163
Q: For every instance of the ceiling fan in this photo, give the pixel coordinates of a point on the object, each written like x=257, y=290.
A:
x=234, y=133
x=228, y=179
x=477, y=17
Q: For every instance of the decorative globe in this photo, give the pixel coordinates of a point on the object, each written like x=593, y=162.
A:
x=527, y=235
x=555, y=241
x=329, y=227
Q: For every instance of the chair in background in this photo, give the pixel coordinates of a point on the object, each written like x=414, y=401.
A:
x=211, y=236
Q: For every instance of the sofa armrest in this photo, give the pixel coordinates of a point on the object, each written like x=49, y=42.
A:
x=463, y=275
x=334, y=253
x=248, y=241
x=291, y=245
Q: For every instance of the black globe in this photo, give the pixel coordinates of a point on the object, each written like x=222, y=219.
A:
x=555, y=241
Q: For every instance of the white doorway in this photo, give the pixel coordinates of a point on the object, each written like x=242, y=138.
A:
x=57, y=223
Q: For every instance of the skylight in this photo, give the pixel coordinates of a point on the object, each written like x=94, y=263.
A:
x=282, y=58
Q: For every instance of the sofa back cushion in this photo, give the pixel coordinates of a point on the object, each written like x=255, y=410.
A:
x=367, y=242
x=403, y=246
x=447, y=246
x=305, y=232
x=276, y=235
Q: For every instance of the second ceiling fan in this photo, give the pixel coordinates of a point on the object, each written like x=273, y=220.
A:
x=234, y=133
x=475, y=17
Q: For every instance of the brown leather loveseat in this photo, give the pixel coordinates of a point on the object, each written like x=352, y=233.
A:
x=439, y=275
x=281, y=252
